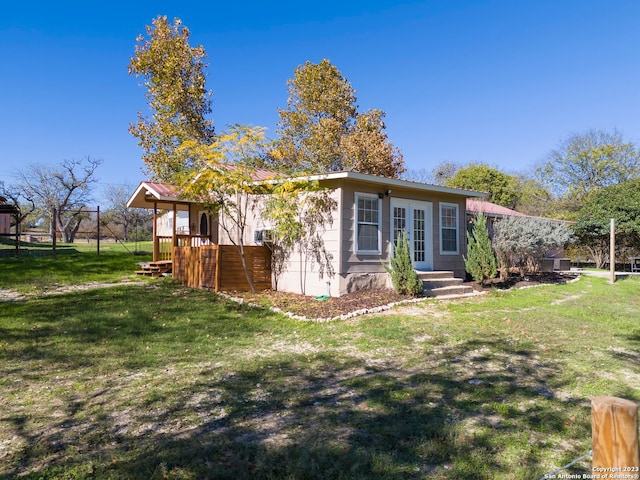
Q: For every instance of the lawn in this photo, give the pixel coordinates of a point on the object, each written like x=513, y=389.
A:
x=34, y=269
x=157, y=381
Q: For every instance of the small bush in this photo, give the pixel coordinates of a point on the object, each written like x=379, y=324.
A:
x=480, y=261
x=404, y=277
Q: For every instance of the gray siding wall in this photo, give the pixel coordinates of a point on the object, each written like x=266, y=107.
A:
x=359, y=271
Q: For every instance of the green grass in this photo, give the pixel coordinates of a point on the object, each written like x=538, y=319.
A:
x=36, y=270
x=158, y=381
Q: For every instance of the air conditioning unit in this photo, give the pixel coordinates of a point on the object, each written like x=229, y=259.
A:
x=262, y=237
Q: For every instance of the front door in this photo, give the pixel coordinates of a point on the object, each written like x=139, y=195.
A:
x=415, y=219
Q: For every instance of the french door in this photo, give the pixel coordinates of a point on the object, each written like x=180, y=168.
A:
x=415, y=219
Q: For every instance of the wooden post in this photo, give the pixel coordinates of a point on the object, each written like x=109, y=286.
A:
x=54, y=227
x=174, y=231
x=612, y=251
x=98, y=225
x=17, y=215
x=216, y=282
x=614, y=432
x=156, y=241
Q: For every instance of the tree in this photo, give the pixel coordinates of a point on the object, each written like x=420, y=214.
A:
x=480, y=261
x=222, y=178
x=14, y=196
x=438, y=175
x=67, y=187
x=585, y=162
x=444, y=171
x=174, y=75
x=366, y=148
x=620, y=202
x=322, y=131
x=118, y=219
x=404, y=277
x=502, y=189
x=533, y=198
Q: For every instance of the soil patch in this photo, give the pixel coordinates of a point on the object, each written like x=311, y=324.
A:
x=309, y=307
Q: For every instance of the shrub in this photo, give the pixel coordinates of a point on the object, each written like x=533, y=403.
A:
x=522, y=242
x=404, y=277
x=480, y=262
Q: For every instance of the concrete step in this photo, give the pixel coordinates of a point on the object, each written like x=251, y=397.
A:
x=446, y=291
x=443, y=283
x=434, y=274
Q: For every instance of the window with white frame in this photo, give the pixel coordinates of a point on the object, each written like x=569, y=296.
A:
x=368, y=220
x=448, y=228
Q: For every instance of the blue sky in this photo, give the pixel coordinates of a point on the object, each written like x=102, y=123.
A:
x=499, y=82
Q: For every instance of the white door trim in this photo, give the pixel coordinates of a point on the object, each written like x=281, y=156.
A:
x=418, y=223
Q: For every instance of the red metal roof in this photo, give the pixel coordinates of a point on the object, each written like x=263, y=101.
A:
x=476, y=205
x=164, y=189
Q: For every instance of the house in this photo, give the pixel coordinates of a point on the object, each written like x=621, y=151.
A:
x=6, y=212
x=370, y=213
x=166, y=221
x=491, y=212
x=553, y=259
x=5, y=217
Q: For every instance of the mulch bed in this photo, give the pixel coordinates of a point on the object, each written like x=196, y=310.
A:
x=332, y=307
x=367, y=299
x=529, y=280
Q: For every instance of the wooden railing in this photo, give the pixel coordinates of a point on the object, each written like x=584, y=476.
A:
x=162, y=248
x=163, y=245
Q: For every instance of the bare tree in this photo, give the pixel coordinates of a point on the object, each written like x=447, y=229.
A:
x=14, y=196
x=65, y=187
x=117, y=213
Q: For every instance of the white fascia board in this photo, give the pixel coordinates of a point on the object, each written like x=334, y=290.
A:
x=388, y=182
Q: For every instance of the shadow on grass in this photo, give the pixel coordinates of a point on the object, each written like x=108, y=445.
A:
x=629, y=357
x=473, y=410
x=118, y=327
x=70, y=267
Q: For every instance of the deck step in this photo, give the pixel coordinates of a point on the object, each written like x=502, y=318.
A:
x=155, y=269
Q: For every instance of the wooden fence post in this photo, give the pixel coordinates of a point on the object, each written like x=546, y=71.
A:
x=612, y=251
x=614, y=432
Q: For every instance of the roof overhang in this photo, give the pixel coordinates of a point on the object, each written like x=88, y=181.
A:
x=387, y=182
x=164, y=196
x=9, y=209
x=156, y=195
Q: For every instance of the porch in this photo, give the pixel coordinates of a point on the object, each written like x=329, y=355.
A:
x=195, y=262
x=219, y=267
x=163, y=245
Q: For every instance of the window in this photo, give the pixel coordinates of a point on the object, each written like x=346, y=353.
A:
x=367, y=223
x=448, y=228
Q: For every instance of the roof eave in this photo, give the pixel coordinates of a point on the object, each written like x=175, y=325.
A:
x=394, y=182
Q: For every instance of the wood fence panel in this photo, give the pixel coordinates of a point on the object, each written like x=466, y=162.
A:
x=194, y=267
x=209, y=260
x=220, y=267
x=178, y=265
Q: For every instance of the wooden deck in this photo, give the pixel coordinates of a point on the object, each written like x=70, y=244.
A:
x=219, y=267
